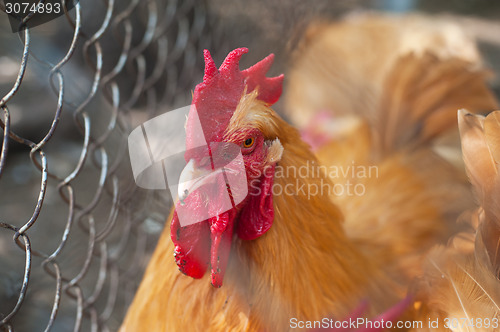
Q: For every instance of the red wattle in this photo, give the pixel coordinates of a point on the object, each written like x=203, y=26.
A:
x=200, y=244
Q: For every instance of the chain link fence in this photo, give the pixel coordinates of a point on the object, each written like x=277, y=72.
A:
x=75, y=231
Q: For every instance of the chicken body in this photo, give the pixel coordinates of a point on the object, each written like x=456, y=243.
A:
x=395, y=83
x=327, y=252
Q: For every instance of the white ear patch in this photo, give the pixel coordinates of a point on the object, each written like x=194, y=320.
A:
x=274, y=152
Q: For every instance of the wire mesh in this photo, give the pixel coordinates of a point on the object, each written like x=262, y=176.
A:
x=104, y=65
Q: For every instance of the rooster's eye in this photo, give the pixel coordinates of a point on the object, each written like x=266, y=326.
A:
x=248, y=142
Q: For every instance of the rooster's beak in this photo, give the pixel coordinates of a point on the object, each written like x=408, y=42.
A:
x=193, y=177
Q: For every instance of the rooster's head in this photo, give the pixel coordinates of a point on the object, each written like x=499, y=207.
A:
x=228, y=138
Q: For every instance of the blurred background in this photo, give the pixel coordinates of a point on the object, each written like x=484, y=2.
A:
x=75, y=231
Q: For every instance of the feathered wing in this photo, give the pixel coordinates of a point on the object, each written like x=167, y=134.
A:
x=462, y=279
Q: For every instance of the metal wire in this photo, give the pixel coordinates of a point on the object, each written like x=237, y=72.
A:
x=156, y=49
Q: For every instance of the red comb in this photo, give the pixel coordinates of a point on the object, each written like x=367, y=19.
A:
x=218, y=95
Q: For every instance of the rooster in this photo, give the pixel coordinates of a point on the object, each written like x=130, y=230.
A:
x=297, y=254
